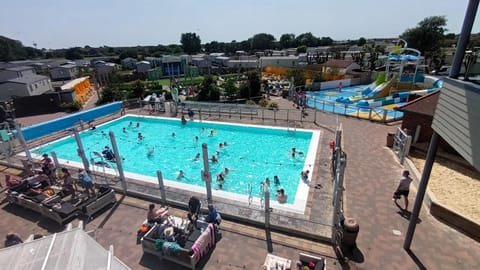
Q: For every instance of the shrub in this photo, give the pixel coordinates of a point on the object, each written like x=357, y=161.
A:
x=250, y=102
x=71, y=106
x=263, y=102
x=273, y=105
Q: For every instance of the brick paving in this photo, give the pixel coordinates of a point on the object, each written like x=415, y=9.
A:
x=371, y=176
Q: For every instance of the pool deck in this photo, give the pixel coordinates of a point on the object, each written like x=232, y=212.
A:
x=371, y=176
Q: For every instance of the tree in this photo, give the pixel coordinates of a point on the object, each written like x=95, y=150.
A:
x=251, y=88
x=262, y=41
x=302, y=49
x=287, y=41
x=325, y=41
x=230, y=90
x=427, y=36
x=208, y=90
x=298, y=77
x=306, y=39
x=138, y=89
x=191, y=43
x=73, y=53
x=128, y=53
x=361, y=41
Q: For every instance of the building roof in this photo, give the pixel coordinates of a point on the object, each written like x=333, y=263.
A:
x=68, y=66
x=142, y=62
x=71, y=84
x=19, y=68
x=336, y=63
x=424, y=105
x=28, y=79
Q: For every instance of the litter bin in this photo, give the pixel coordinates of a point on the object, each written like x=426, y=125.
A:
x=390, y=139
x=350, y=232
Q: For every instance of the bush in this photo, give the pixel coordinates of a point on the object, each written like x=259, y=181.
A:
x=250, y=102
x=273, y=105
x=71, y=106
x=263, y=102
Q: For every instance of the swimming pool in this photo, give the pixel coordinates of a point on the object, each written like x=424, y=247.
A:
x=252, y=152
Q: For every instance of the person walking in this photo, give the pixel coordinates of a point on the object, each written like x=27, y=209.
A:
x=403, y=188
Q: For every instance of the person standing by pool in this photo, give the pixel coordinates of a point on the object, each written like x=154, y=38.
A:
x=220, y=180
x=340, y=85
x=184, y=121
x=191, y=114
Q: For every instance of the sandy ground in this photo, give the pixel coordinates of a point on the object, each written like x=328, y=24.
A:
x=454, y=185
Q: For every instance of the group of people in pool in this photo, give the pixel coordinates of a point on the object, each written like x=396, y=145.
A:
x=281, y=196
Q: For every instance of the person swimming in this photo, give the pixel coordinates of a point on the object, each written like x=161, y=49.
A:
x=138, y=125
x=140, y=136
x=130, y=124
x=124, y=130
x=108, y=154
x=220, y=180
x=226, y=171
x=220, y=145
x=196, y=139
x=173, y=134
x=212, y=132
x=151, y=151
x=276, y=181
x=214, y=159
x=180, y=175
x=197, y=157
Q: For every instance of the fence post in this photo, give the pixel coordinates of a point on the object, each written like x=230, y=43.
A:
x=267, y=207
x=23, y=142
x=345, y=111
x=55, y=159
x=206, y=175
x=288, y=113
x=385, y=115
x=240, y=113
x=80, y=151
x=251, y=114
x=118, y=160
x=275, y=115
x=323, y=105
x=200, y=114
x=162, y=187
x=263, y=118
x=370, y=114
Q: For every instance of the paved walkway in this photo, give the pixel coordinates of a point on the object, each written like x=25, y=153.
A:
x=371, y=176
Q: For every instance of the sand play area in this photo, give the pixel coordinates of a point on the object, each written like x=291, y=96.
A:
x=454, y=185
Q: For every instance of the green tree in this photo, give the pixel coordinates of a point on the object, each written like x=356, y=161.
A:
x=251, y=88
x=325, y=41
x=208, y=90
x=138, y=89
x=298, y=77
x=287, y=41
x=361, y=41
x=191, y=43
x=302, y=49
x=128, y=53
x=262, y=41
x=427, y=36
x=73, y=53
x=231, y=91
x=307, y=39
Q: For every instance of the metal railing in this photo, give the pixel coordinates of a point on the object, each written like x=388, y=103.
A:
x=401, y=144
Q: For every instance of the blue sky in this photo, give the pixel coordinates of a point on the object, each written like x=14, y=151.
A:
x=67, y=23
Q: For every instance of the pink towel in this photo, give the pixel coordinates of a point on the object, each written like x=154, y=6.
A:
x=212, y=234
x=196, y=252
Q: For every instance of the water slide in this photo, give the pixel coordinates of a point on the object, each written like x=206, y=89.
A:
x=381, y=90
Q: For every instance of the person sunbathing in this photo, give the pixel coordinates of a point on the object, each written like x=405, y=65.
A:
x=154, y=215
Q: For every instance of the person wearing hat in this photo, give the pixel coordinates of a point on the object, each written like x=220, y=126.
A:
x=403, y=188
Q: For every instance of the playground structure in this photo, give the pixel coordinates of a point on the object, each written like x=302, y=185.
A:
x=402, y=77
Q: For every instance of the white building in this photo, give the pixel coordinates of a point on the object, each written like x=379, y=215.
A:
x=248, y=64
x=64, y=72
x=29, y=85
x=279, y=61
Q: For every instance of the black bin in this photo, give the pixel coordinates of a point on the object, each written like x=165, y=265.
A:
x=350, y=232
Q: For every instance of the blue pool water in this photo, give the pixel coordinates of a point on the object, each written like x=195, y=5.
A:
x=252, y=153
x=325, y=100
